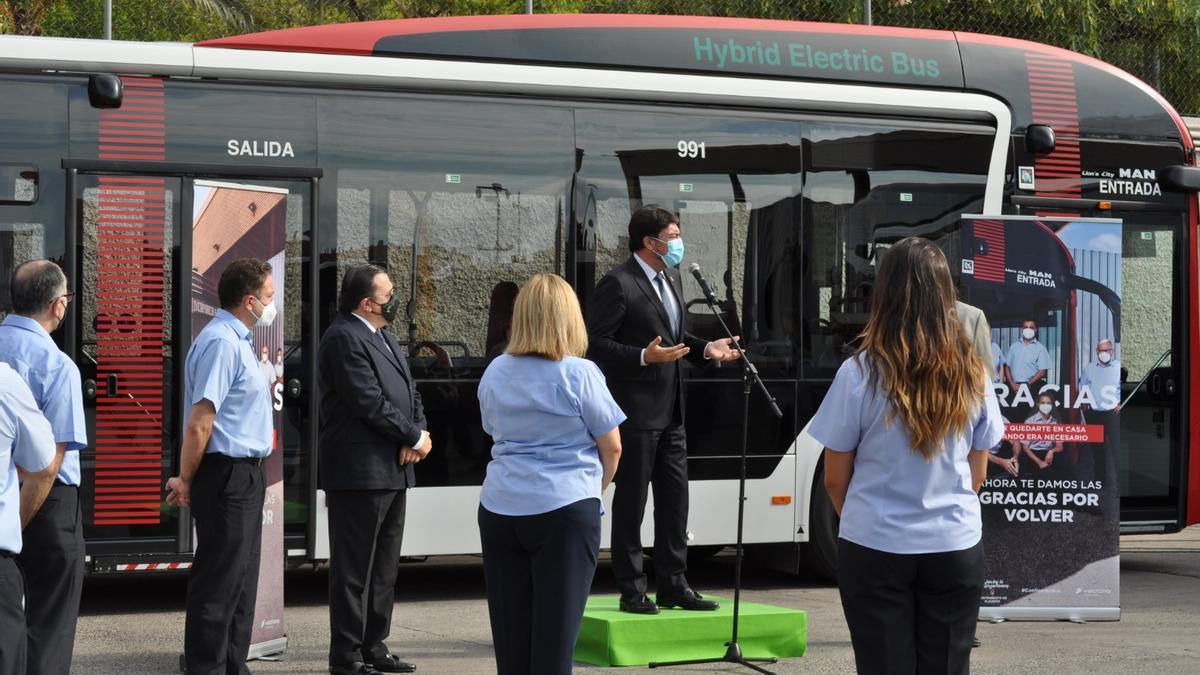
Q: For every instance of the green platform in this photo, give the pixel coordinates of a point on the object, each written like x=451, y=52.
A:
x=610, y=637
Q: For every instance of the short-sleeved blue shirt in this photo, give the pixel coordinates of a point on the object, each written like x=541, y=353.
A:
x=1025, y=359
x=221, y=367
x=26, y=441
x=54, y=380
x=897, y=502
x=544, y=417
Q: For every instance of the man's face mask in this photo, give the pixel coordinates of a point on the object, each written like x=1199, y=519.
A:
x=674, y=254
x=389, y=309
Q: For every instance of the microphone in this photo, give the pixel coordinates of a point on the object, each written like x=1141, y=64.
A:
x=694, y=268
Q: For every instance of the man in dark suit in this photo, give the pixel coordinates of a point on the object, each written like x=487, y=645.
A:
x=637, y=328
x=372, y=432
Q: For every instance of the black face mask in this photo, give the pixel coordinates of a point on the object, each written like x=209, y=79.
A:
x=389, y=309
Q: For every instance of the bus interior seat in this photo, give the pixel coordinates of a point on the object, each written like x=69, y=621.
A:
x=500, y=314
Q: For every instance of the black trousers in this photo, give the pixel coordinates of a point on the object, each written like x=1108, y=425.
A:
x=366, y=528
x=657, y=457
x=12, y=617
x=538, y=571
x=52, y=562
x=910, y=613
x=227, y=502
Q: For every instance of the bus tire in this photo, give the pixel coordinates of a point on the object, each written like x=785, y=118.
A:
x=820, y=553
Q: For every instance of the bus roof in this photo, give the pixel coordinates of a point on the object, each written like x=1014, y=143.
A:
x=1089, y=97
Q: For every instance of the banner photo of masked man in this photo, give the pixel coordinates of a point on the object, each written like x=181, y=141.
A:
x=1051, y=291
x=232, y=221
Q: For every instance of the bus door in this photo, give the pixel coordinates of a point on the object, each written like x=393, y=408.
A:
x=147, y=246
x=1150, y=463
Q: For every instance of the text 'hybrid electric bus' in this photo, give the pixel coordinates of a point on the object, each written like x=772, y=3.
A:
x=465, y=154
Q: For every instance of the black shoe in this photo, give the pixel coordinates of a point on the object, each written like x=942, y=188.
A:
x=685, y=599
x=356, y=668
x=638, y=604
x=390, y=663
x=975, y=643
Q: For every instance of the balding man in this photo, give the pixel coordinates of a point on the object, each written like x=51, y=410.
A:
x=52, y=555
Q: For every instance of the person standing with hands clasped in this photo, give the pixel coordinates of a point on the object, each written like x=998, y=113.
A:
x=906, y=427
x=556, y=448
x=372, y=433
x=228, y=431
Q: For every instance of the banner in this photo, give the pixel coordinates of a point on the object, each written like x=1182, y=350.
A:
x=1051, y=291
x=232, y=221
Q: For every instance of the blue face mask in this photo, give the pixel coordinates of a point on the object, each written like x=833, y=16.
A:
x=674, y=254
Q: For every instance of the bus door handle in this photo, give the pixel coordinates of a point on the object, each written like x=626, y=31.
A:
x=1170, y=386
x=293, y=388
x=89, y=390
x=110, y=385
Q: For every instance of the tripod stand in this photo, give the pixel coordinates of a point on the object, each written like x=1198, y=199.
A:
x=733, y=652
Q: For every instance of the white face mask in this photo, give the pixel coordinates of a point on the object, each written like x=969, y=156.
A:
x=1104, y=357
x=268, y=314
x=1045, y=408
x=1028, y=333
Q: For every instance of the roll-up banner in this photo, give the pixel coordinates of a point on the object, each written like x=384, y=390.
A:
x=1051, y=291
x=232, y=221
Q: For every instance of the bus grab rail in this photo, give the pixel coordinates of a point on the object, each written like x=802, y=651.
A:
x=1145, y=377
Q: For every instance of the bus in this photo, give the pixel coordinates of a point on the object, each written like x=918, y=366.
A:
x=465, y=154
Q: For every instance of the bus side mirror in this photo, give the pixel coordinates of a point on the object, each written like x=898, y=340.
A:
x=105, y=91
x=1039, y=139
x=1180, y=178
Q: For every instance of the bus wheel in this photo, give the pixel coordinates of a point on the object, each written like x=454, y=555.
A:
x=821, y=550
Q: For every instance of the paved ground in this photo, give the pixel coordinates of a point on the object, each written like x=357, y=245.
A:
x=135, y=624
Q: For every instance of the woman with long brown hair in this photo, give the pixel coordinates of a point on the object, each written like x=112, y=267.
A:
x=906, y=427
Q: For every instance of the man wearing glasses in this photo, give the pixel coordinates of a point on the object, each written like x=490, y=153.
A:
x=52, y=552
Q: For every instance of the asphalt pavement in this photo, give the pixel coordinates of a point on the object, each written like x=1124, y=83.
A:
x=134, y=624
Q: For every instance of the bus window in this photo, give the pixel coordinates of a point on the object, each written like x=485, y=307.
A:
x=1153, y=313
x=461, y=202
x=19, y=243
x=733, y=183
x=18, y=184
x=865, y=187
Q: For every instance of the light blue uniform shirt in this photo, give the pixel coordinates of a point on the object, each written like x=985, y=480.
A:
x=543, y=417
x=898, y=502
x=25, y=441
x=1039, y=418
x=54, y=380
x=1104, y=381
x=1024, y=360
x=997, y=363
x=221, y=367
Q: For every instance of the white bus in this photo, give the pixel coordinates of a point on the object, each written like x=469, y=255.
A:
x=465, y=154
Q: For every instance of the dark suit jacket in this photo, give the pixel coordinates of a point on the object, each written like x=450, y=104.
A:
x=624, y=315
x=370, y=409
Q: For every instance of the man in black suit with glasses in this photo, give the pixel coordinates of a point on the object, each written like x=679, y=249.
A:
x=372, y=433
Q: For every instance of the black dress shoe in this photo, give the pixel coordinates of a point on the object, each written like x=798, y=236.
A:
x=685, y=599
x=390, y=663
x=638, y=604
x=356, y=668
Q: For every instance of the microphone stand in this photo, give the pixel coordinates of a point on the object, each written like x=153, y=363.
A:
x=733, y=652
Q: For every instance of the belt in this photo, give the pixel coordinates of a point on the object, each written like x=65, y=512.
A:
x=256, y=461
x=7, y=554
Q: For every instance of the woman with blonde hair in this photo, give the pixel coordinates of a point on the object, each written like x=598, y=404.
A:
x=556, y=443
x=906, y=427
